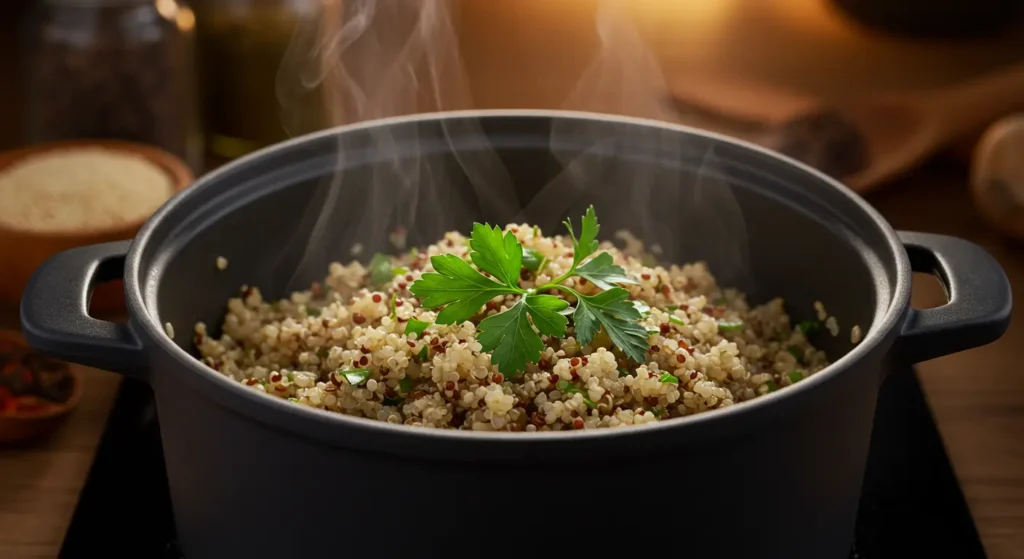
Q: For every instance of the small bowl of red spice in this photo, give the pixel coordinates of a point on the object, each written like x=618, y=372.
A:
x=36, y=391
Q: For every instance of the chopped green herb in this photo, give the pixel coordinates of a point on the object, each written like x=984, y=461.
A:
x=730, y=325
x=323, y=352
x=671, y=308
x=795, y=376
x=568, y=388
x=380, y=269
x=653, y=332
x=293, y=399
x=719, y=301
x=772, y=387
x=405, y=385
x=601, y=271
x=313, y=311
x=415, y=327
x=532, y=259
x=423, y=354
x=536, y=230
x=394, y=307
x=623, y=372
x=808, y=326
x=356, y=377
x=676, y=320
x=291, y=376
x=658, y=412
x=669, y=378
x=392, y=401
x=399, y=271
x=649, y=260
x=796, y=352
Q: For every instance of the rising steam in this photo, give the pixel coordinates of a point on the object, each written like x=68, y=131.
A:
x=361, y=60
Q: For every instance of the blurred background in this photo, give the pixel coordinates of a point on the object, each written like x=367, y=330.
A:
x=919, y=106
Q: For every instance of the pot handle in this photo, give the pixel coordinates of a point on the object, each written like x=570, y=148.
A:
x=978, y=311
x=55, y=317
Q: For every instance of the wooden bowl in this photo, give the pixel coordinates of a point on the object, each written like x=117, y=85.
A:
x=21, y=252
x=20, y=425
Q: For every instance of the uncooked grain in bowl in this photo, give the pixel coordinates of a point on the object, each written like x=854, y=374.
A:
x=81, y=189
x=372, y=341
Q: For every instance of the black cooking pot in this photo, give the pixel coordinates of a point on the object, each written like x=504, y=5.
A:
x=255, y=476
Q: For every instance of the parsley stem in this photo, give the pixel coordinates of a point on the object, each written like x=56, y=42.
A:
x=554, y=284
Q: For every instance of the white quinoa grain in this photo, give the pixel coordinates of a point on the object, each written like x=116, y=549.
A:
x=832, y=326
x=820, y=309
x=169, y=330
x=855, y=334
x=222, y=263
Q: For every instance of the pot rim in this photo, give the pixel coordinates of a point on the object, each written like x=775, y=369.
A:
x=382, y=435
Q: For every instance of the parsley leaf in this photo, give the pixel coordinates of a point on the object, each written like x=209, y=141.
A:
x=380, y=269
x=641, y=307
x=600, y=271
x=587, y=243
x=513, y=337
x=510, y=339
x=546, y=313
x=612, y=310
x=415, y=327
x=532, y=260
x=500, y=256
x=458, y=286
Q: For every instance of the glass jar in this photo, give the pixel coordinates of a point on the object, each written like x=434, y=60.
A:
x=242, y=45
x=113, y=69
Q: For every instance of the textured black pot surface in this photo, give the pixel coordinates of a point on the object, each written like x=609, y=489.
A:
x=255, y=476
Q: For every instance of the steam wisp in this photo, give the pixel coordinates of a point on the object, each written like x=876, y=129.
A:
x=363, y=60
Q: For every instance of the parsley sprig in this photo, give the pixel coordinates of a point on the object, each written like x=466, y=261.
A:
x=513, y=337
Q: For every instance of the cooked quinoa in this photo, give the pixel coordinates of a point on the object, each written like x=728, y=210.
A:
x=342, y=346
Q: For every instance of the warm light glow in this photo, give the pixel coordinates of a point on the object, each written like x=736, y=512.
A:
x=694, y=13
x=816, y=17
x=167, y=8
x=186, y=19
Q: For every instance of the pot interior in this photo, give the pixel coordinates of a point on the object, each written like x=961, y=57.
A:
x=763, y=224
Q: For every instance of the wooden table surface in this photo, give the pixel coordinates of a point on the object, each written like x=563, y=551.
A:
x=977, y=396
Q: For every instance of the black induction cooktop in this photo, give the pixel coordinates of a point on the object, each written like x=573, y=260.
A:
x=912, y=505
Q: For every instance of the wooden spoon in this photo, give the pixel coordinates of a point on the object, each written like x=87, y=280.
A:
x=895, y=131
